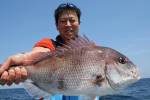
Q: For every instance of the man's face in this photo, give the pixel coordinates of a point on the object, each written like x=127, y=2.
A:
x=68, y=25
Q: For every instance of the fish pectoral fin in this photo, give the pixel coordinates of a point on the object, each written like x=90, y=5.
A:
x=35, y=91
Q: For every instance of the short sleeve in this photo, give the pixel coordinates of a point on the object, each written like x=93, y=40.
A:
x=46, y=43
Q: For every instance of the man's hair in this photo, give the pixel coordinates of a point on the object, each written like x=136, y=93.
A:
x=66, y=6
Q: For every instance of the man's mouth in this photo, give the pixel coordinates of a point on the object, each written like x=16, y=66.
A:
x=69, y=30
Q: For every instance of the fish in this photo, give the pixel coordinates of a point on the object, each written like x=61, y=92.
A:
x=80, y=68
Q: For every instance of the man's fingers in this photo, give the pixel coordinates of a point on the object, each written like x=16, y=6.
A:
x=23, y=73
x=12, y=74
x=4, y=78
x=17, y=75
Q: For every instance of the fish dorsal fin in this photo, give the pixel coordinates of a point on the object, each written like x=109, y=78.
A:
x=80, y=42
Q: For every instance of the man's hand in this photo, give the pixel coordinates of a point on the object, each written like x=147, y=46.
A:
x=14, y=75
x=8, y=74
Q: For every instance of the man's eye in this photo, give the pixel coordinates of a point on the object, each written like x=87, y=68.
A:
x=62, y=21
x=72, y=21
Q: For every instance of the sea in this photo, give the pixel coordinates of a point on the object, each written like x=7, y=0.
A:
x=137, y=91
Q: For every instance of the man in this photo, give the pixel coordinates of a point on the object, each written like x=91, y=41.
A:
x=67, y=18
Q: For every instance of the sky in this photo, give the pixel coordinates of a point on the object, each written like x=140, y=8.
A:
x=123, y=25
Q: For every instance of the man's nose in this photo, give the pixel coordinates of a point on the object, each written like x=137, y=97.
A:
x=68, y=23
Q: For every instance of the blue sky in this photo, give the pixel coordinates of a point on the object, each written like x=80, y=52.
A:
x=120, y=24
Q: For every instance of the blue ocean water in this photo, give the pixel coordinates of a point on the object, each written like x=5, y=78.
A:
x=138, y=91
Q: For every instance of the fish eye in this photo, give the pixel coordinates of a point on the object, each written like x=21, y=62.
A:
x=122, y=60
